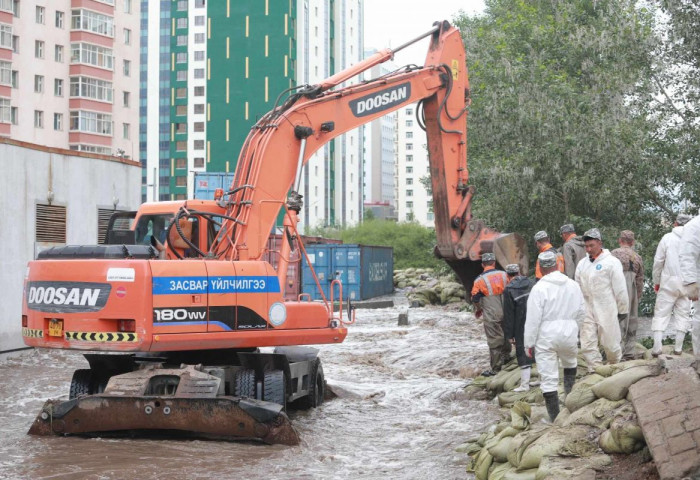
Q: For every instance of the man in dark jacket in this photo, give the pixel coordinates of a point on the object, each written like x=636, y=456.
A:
x=573, y=249
x=514, y=313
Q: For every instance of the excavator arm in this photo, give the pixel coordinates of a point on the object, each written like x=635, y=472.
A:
x=281, y=143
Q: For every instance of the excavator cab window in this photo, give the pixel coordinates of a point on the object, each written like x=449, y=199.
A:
x=152, y=227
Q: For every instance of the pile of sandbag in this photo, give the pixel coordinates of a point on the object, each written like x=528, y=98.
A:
x=425, y=287
x=596, y=419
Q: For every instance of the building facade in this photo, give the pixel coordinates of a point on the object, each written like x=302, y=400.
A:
x=220, y=66
x=413, y=200
x=68, y=74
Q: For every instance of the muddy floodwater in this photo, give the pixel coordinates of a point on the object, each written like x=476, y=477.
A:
x=400, y=414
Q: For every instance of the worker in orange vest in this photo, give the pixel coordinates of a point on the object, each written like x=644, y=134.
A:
x=543, y=245
x=487, y=295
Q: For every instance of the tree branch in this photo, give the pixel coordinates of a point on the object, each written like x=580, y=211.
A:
x=655, y=198
x=663, y=90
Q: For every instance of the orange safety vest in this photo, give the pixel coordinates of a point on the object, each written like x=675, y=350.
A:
x=490, y=282
x=560, y=260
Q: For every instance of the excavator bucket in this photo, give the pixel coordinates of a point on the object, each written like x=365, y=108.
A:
x=187, y=401
x=508, y=247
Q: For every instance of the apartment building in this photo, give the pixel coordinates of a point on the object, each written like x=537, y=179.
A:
x=220, y=66
x=413, y=201
x=68, y=74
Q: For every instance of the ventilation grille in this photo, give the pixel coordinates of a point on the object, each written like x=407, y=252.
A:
x=51, y=224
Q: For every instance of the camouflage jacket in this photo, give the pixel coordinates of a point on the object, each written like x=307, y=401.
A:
x=631, y=261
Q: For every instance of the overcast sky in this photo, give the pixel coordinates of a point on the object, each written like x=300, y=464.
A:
x=390, y=23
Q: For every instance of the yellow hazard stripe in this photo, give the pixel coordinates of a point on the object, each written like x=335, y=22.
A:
x=32, y=332
x=102, y=336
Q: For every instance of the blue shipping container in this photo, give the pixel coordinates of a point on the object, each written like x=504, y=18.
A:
x=365, y=271
x=206, y=183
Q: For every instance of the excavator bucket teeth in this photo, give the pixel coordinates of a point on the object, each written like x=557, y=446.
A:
x=223, y=417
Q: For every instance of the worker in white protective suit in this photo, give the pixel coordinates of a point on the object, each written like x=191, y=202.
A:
x=604, y=289
x=555, y=309
x=689, y=258
x=670, y=300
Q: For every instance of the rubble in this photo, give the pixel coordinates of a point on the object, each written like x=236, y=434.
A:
x=424, y=286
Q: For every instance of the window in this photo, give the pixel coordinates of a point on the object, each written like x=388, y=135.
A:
x=127, y=6
x=180, y=181
x=92, y=149
x=127, y=36
x=126, y=99
x=409, y=169
x=198, y=73
x=6, y=5
x=58, y=121
x=6, y=35
x=182, y=5
x=199, y=20
x=94, y=55
x=409, y=181
x=181, y=146
x=181, y=93
x=180, y=163
x=15, y=43
x=39, y=49
x=180, y=128
x=38, y=119
x=198, y=126
x=126, y=131
x=199, y=55
x=40, y=14
x=59, y=19
x=199, y=162
x=199, y=108
x=58, y=53
x=409, y=193
x=39, y=83
x=181, y=110
x=409, y=158
x=5, y=110
x=181, y=23
x=92, y=22
x=409, y=111
x=409, y=146
x=14, y=115
x=127, y=68
x=58, y=87
x=92, y=88
x=181, y=57
x=409, y=134
x=15, y=79
x=199, y=3
x=198, y=38
x=181, y=75
x=181, y=40
x=198, y=92
x=409, y=205
x=91, y=122
x=409, y=123
x=199, y=144
x=5, y=73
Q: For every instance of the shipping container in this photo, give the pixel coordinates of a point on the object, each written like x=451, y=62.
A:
x=206, y=183
x=365, y=271
x=292, y=287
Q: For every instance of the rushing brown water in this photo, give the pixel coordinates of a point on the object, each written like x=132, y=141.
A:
x=399, y=414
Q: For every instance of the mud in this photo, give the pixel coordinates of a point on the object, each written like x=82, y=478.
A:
x=399, y=413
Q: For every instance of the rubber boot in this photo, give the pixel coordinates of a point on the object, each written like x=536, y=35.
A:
x=656, y=349
x=569, y=379
x=680, y=337
x=551, y=399
x=524, y=380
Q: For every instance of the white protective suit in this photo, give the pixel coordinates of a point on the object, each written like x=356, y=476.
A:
x=555, y=309
x=689, y=259
x=667, y=274
x=605, y=291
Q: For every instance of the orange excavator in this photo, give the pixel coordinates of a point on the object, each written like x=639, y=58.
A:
x=176, y=310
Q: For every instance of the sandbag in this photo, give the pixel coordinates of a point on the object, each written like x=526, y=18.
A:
x=497, y=382
x=522, y=440
x=564, y=413
x=625, y=436
x=555, y=468
x=609, y=370
x=617, y=386
x=498, y=470
x=534, y=395
x=581, y=394
x=598, y=414
x=520, y=415
x=470, y=448
x=483, y=464
x=499, y=450
x=524, y=475
x=554, y=441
